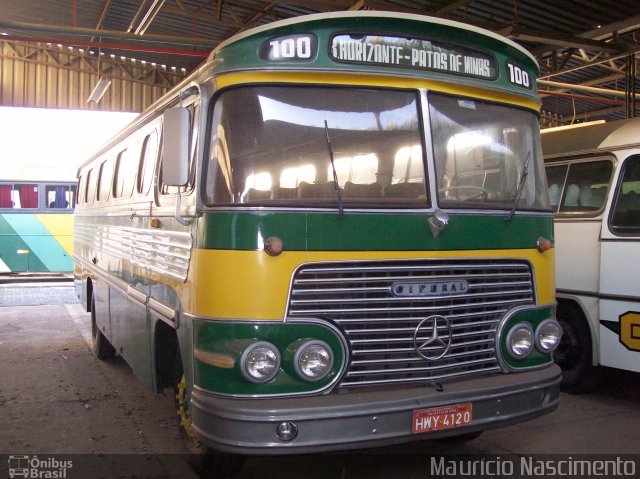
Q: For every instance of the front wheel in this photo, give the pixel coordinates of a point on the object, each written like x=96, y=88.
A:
x=574, y=354
x=206, y=462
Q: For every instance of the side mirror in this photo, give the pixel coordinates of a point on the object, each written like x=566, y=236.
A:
x=175, y=146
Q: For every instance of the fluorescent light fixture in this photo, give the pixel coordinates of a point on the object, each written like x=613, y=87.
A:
x=99, y=90
x=149, y=16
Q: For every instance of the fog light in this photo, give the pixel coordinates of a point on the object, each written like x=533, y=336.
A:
x=286, y=431
x=548, y=335
x=520, y=341
x=313, y=360
x=260, y=362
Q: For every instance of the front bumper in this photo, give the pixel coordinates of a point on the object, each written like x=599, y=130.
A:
x=358, y=419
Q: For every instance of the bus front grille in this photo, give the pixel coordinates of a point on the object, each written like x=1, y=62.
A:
x=366, y=301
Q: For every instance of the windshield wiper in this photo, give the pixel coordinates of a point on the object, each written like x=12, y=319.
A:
x=523, y=178
x=336, y=185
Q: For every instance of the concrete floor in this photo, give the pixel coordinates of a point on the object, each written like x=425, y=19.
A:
x=57, y=398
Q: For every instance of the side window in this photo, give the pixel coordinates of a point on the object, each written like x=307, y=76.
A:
x=148, y=157
x=625, y=216
x=105, y=181
x=22, y=196
x=60, y=196
x=555, y=180
x=92, y=183
x=81, y=190
x=125, y=174
x=6, y=193
x=586, y=187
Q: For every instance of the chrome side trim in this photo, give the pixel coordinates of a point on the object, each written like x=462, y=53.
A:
x=166, y=253
x=165, y=313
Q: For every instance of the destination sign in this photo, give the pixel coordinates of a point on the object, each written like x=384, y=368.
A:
x=413, y=53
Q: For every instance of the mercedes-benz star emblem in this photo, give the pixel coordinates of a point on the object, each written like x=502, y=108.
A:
x=429, y=341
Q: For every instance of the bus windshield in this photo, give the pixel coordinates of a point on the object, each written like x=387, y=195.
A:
x=482, y=150
x=269, y=146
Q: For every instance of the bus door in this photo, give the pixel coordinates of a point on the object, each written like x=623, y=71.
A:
x=619, y=267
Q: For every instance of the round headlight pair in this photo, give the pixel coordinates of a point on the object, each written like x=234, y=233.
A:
x=521, y=338
x=260, y=362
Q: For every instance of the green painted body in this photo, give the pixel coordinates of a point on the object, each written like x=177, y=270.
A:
x=305, y=231
x=232, y=338
x=534, y=317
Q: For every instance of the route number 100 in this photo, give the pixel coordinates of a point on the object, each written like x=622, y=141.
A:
x=299, y=47
x=518, y=76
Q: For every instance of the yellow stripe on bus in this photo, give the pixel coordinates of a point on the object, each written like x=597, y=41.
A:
x=60, y=226
x=261, y=282
x=375, y=80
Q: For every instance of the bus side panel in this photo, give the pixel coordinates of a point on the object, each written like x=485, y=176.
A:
x=620, y=318
x=578, y=255
x=131, y=335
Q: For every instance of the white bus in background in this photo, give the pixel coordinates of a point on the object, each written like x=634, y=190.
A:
x=593, y=173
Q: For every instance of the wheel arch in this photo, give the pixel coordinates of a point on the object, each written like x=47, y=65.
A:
x=578, y=304
x=165, y=348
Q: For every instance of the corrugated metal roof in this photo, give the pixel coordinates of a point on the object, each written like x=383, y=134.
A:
x=550, y=30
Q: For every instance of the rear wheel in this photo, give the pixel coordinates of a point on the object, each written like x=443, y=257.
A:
x=574, y=354
x=101, y=346
x=206, y=462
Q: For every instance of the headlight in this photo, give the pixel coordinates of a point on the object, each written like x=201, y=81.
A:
x=548, y=335
x=313, y=360
x=260, y=362
x=520, y=341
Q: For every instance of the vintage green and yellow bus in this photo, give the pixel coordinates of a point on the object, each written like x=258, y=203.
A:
x=36, y=226
x=334, y=234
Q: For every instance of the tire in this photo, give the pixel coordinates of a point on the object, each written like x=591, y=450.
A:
x=574, y=354
x=101, y=346
x=461, y=438
x=206, y=462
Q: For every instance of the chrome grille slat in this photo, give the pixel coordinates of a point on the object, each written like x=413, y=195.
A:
x=417, y=319
x=425, y=309
x=410, y=329
x=439, y=367
x=379, y=326
x=411, y=350
x=374, y=279
x=400, y=300
x=364, y=362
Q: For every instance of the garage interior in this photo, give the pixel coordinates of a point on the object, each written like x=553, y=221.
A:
x=53, y=54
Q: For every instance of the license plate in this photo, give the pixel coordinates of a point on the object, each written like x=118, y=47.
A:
x=443, y=417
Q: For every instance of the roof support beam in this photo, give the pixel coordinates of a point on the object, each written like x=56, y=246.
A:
x=88, y=32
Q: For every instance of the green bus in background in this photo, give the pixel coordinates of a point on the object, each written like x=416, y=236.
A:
x=334, y=234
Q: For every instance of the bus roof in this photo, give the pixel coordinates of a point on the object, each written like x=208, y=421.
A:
x=384, y=43
x=371, y=14
x=588, y=138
